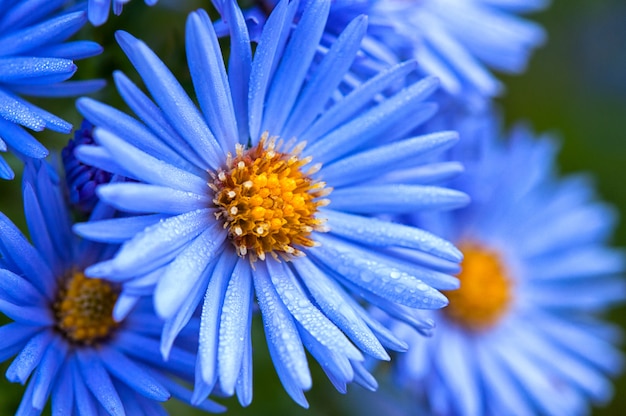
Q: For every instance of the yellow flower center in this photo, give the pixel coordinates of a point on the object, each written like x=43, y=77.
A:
x=84, y=309
x=267, y=202
x=485, y=292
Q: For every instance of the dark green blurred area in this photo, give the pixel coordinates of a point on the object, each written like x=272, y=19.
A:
x=575, y=87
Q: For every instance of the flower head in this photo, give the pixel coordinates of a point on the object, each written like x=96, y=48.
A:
x=68, y=345
x=35, y=60
x=522, y=334
x=271, y=192
x=98, y=10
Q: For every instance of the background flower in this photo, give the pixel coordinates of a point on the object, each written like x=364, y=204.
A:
x=522, y=334
x=67, y=346
x=36, y=60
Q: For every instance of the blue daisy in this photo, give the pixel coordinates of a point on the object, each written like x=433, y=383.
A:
x=522, y=335
x=269, y=192
x=66, y=344
x=98, y=10
x=36, y=60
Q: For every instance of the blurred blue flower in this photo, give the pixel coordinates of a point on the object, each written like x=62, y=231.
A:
x=66, y=340
x=522, y=335
x=98, y=10
x=238, y=205
x=35, y=60
x=81, y=179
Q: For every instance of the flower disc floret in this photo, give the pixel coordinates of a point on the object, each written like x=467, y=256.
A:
x=84, y=309
x=485, y=292
x=267, y=201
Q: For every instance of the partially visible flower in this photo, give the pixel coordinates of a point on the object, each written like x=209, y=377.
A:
x=35, y=60
x=98, y=10
x=81, y=179
x=271, y=191
x=68, y=345
x=522, y=335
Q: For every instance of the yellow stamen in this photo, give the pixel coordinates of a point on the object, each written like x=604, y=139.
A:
x=84, y=309
x=485, y=292
x=266, y=202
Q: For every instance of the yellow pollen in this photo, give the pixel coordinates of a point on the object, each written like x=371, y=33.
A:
x=485, y=292
x=267, y=203
x=84, y=309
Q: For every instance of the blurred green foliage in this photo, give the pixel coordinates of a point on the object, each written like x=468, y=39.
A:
x=575, y=87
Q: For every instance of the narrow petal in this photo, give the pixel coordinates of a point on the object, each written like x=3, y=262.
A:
x=117, y=230
x=99, y=382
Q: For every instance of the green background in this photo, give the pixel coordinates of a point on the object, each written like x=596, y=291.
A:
x=575, y=87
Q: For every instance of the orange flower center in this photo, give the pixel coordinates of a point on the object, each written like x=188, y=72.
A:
x=84, y=309
x=485, y=292
x=267, y=202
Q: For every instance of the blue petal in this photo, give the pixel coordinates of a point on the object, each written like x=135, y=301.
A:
x=47, y=371
x=380, y=233
x=244, y=382
x=395, y=199
x=117, y=230
x=17, y=290
x=98, y=11
x=268, y=51
x=208, y=74
x=13, y=245
x=336, y=366
x=125, y=370
x=30, y=357
x=137, y=197
x=85, y=403
x=75, y=50
x=13, y=337
x=283, y=340
x=63, y=392
x=150, y=248
x=34, y=70
x=98, y=381
x=234, y=326
x=239, y=66
x=22, y=14
x=209, y=330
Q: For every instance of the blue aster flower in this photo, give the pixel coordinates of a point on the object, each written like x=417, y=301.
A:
x=523, y=334
x=36, y=60
x=270, y=192
x=98, y=10
x=66, y=344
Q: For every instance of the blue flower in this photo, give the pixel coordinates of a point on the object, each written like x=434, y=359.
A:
x=67, y=343
x=522, y=335
x=98, y=10
x=35, y=60
x=240, y=205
